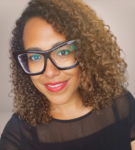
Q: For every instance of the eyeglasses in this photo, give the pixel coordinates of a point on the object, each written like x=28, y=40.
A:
x=34, y=61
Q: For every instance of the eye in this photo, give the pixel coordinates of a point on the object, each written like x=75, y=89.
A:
x=66, y=50
x=63, y=52
x=35, y=57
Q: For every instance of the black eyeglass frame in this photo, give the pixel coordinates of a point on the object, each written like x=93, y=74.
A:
x=46, y=54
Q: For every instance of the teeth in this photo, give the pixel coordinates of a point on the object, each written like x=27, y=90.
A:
x=55, y=85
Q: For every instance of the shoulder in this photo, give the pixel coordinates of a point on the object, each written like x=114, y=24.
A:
x=131, y=99
x=12, y=124
x=131, y=102
x=125, y=104
x=126, y=98
x=10, y=137
x=15, y=125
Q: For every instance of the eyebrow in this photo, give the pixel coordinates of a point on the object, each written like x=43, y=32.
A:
x=58, y=43
x=39, y=49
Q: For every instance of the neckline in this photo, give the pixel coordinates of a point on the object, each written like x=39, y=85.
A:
x=75, y=119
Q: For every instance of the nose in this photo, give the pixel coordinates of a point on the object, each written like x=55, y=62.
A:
x=50, y=70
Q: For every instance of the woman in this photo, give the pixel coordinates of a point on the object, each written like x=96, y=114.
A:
x=69, y=82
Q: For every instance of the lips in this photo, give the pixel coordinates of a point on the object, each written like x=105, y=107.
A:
x=55, y=83
x=56, y=86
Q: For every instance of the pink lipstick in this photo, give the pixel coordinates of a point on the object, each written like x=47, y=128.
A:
x=56, y=86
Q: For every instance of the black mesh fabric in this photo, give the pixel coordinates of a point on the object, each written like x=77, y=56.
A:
x=111, y=129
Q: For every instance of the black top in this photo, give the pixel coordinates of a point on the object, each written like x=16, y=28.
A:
x=111, y=129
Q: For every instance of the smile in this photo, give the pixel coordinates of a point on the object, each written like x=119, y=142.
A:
x=56, y=87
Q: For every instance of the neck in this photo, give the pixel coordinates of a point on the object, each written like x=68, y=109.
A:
x=72, y=107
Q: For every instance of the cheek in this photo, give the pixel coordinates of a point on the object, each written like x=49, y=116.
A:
x=35, y=80
x=37, y=83
x=78, y=76
x=75, y=74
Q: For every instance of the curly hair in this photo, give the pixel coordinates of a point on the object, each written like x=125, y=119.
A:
x=102, y=69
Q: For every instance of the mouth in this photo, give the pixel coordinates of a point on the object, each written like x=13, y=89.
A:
x=57, y=86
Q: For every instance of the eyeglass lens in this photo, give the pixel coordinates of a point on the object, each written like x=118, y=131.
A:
x=63, y=57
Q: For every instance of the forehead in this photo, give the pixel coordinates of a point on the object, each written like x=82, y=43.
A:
x=38, y=33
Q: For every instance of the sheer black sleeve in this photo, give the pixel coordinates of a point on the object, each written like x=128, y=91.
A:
x=10, y=137
x=131, y=115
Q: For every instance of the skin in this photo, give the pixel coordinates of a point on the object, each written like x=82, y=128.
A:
x=66, y=103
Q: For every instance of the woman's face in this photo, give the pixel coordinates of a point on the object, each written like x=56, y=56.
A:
x=38, y=33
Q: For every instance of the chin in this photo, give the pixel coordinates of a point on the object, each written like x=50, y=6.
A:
x=58, y=101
